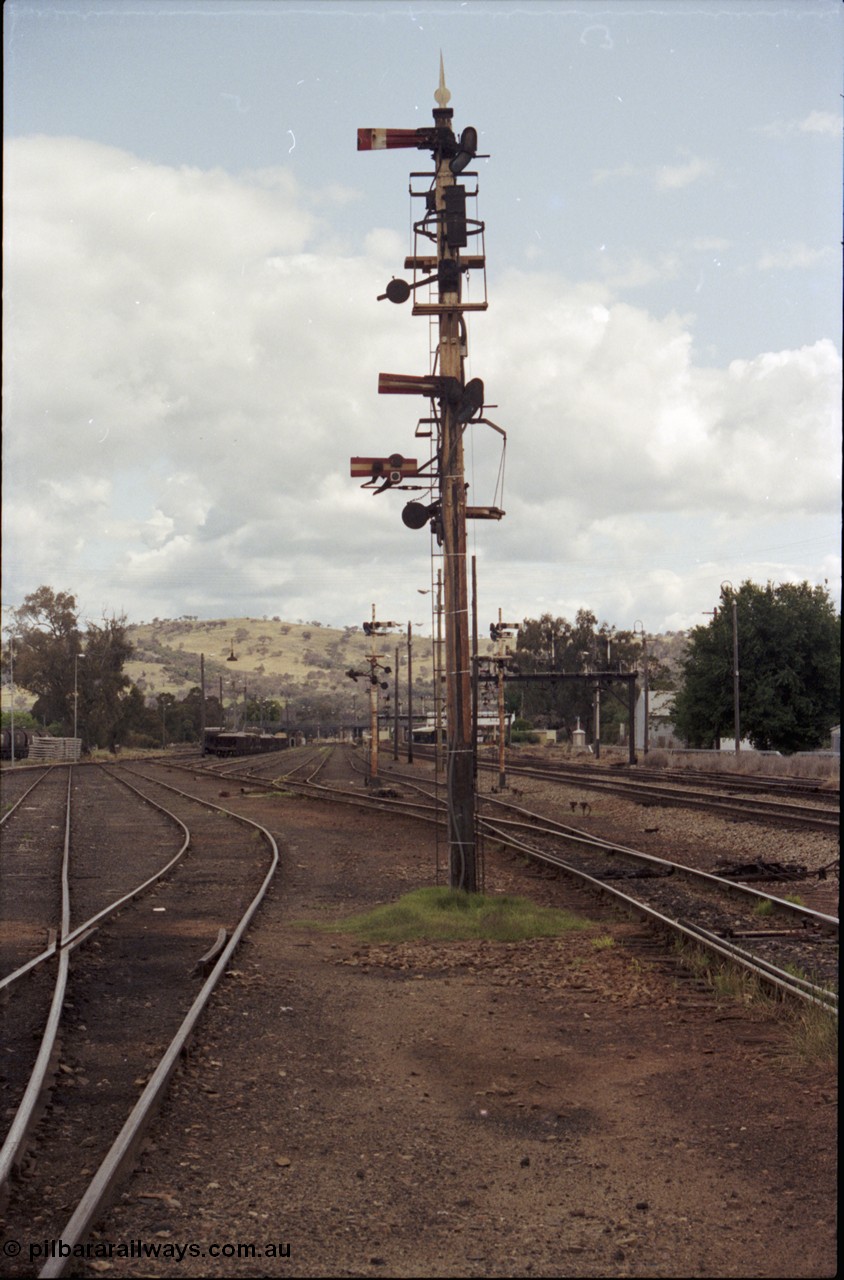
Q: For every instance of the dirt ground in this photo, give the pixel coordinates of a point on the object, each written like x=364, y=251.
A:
x=556, y=1108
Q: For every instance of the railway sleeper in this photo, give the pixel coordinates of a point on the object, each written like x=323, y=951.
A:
x=632, y=873
x=802, y=932
x=761, y=870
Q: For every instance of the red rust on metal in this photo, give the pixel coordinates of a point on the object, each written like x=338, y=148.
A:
x=406, y=384
x=430, y=264
x=377, y=468
x=386, y=139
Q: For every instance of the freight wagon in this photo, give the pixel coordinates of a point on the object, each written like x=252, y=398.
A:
x=22, y=742
x=229, y=742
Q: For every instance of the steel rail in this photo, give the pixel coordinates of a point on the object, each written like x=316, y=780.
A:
x=711, y=942
x=14, y=1145
x=709, y=779
x=318, y=790
x=748, y=808
x=21, y=799
x=88, y=926
x=124, y=1148
x=820, y=995
x=115, y=906
x=227, y=763
x=409, y=808
x=47, y=954
x=540, y=825
x=747, y=783
x=24, y=1118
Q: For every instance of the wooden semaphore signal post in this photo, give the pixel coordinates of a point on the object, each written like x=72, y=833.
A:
x=445, y=231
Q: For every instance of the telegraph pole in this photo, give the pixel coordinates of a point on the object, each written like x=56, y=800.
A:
x=396, y=708
x=202, y=701
x=409, y=693
x=639, y=626
x=459, y=746
x=728, y=590
x=373, y=629
x=736, y=714
x=438, y=677
x=373, y=707
x=500, y=632
x=597, y=706
x=457, y=402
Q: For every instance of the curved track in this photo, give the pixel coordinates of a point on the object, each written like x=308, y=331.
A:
x=787, y=946
x=127, y=1008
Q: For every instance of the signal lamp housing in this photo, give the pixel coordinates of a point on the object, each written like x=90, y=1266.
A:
x=416, y=514
x=466, y=150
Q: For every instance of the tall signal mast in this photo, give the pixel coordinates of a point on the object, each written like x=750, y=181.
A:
x=454, y=404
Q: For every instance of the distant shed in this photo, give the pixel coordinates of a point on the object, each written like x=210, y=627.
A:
x=662, y=732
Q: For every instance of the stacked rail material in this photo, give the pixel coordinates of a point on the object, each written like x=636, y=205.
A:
x=55, y=749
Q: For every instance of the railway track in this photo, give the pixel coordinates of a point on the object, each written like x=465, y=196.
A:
x=719, y=795
x=786, y=945
x=708, y=779
x=121, y=1012
x=30, y=889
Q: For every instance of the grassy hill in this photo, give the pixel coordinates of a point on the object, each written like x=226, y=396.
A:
x=294, y=662
x=301, y=664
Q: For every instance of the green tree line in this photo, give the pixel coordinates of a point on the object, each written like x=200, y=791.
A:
x=788, y=639
x=549, y=644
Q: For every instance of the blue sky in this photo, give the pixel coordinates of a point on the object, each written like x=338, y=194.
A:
x=194, y=249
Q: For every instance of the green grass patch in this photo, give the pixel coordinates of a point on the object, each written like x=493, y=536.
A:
x=814, y=1035
x=440, y=914
x=766, y=907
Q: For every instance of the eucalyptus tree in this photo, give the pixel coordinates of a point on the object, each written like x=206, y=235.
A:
x=788, y=640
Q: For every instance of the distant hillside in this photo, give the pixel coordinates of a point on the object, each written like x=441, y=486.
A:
x=669, y=648
x=295, y=661
x=274, y=659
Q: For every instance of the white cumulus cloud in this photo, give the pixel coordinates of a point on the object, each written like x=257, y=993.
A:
x=191, y=359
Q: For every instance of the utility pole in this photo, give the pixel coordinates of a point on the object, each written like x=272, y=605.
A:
x=373, y=629
x=459, y=746
x=736, y=715
x=396, y=708
x=202, y=701
x=727, y=588
x=76, y=660
x=455, y=403
x=646, y=728
x=409, y=693
x=12, y=704
x=500, y=632
x=438, y=677
x=597, y=705
x=373, y=707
